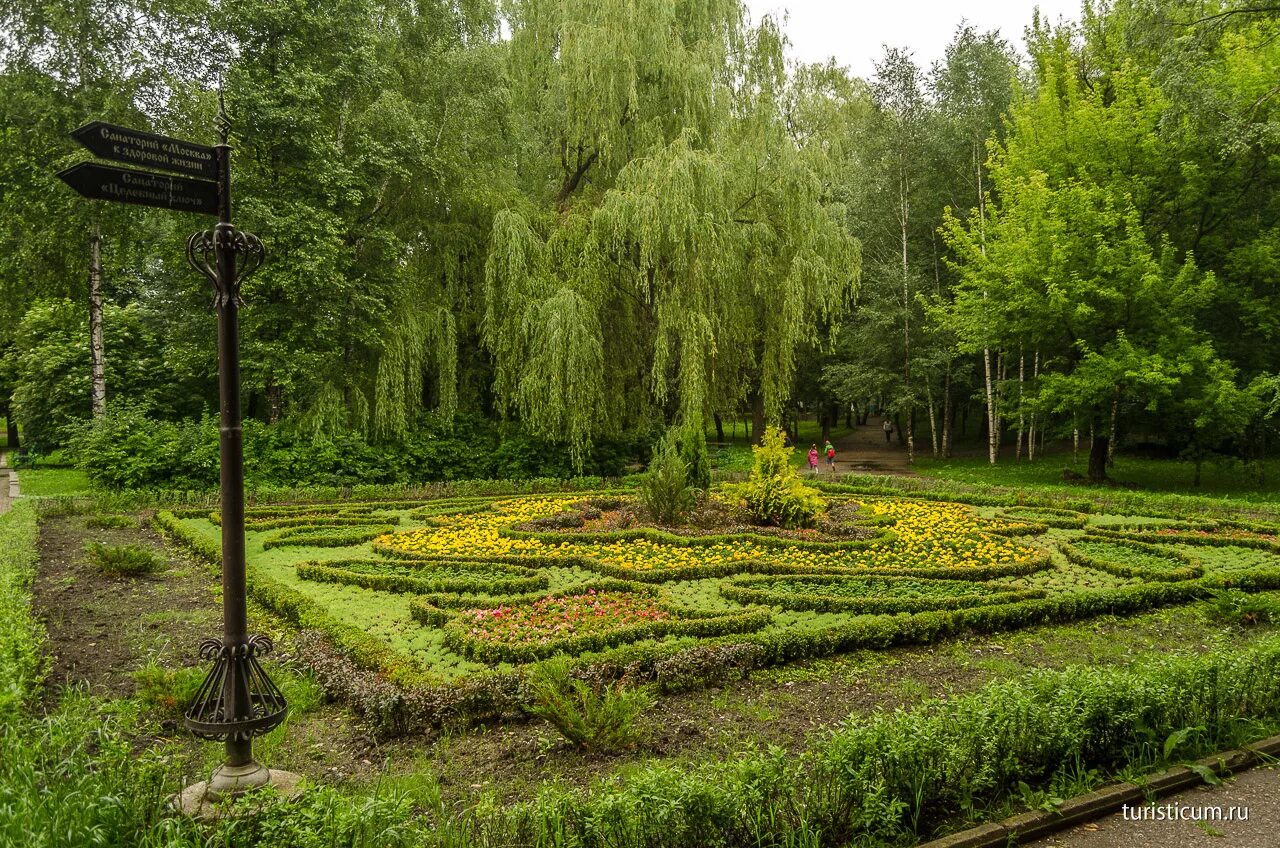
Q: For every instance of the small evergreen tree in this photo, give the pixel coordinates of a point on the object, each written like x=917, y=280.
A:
x=665, y=493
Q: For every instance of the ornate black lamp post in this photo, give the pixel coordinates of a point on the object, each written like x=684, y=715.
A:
x=237, y=700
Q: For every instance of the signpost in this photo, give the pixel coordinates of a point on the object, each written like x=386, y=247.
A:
x=135, y=147
x=237, y=700
x=105, y=182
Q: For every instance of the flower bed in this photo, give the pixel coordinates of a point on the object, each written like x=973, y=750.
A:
x=442, y=567
x=586, y=621
x=933, y=537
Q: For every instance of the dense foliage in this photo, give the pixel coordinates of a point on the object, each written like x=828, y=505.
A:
x=597, y=220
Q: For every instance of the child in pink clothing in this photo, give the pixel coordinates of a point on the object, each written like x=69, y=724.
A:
x=813, y=459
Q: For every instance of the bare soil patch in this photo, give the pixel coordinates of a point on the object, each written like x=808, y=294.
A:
x=102, y=628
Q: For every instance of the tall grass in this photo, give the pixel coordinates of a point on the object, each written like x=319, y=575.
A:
x=21, y=662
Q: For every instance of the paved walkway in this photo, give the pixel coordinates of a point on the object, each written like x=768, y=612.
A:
x=1256, y=791
x=864, y=451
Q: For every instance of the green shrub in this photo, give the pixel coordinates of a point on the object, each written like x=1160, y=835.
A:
x=774, y=493
x=665, y=493
x=1233, y=606
x=123, y=560
x=112, y=522
x=600, y=717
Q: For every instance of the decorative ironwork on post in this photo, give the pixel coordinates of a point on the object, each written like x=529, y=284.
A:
x=237, y=700
x=211, y=715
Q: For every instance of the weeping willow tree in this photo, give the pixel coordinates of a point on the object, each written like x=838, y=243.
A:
x=679, y=245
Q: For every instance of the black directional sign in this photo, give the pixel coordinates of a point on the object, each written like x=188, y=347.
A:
x=105, y=182
x=135, y=147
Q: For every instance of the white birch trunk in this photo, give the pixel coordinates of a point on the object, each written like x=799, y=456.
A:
x=98, y=389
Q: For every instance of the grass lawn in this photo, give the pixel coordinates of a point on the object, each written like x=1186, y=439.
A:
x=1227, y=480
x=50, y=482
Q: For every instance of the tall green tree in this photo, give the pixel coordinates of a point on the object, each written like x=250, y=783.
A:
x=681, y=248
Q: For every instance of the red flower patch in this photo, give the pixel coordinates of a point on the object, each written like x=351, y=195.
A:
x=558, y=618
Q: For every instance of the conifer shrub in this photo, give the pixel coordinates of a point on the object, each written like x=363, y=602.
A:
x=665, y=493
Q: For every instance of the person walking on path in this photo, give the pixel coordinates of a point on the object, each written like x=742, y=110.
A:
x=888, y=429
x=830, y=450
x=813, y=459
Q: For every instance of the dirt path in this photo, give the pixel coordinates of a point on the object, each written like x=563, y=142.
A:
x=864, y=451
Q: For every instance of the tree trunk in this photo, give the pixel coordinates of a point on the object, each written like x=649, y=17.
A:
x=825, y=417
x=719, y=427
x=757, y=418
x=911, y=436
x=1075, y=445
x=275, y=403
x=1115, y=423
x=1031, y=441
x=993, y=428
x=1022, y=417
x=933, y=421
x=98, y=390
x=1199, y=461
x=947, y=413
x=1098, y=459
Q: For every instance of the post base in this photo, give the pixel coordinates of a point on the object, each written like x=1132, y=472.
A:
x=200, y=800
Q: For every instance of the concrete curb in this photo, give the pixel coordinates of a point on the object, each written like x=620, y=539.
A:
x=12, y=475
x=1107, y=800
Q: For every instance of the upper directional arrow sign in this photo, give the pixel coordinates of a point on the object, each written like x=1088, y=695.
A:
x=105, y=182
x=136, y=147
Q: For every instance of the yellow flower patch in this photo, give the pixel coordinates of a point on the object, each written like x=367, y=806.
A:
x=928, y=535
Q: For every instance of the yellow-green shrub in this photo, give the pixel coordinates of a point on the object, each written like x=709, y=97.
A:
x=774, y=494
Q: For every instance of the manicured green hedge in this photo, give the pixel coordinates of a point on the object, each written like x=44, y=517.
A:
x=309, y=537
x=1065, y=519
x=765, y=565
x=1012, y=526
x=326, y=572
x=1191, y=538
x=526, y=560
x=756, y=590
x=258, y=525
x=432, y=605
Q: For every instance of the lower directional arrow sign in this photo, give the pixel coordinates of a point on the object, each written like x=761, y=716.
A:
x=123, y=185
